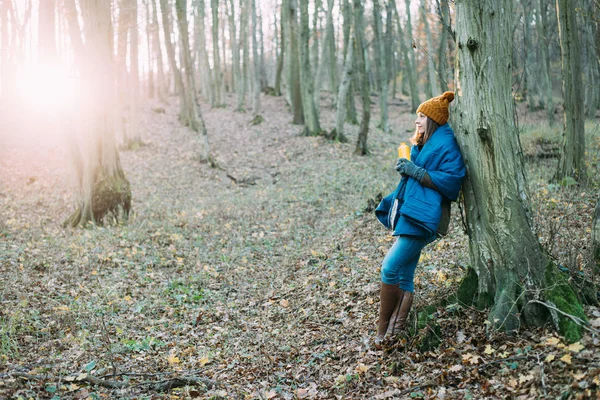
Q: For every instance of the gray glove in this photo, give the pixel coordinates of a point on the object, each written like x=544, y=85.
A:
x=407, y=167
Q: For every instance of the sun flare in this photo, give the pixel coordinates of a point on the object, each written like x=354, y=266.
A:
x=47, y=87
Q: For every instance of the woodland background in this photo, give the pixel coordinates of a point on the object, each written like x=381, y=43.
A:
x=187, y=187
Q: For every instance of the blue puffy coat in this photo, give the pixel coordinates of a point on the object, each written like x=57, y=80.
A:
x=419, y=205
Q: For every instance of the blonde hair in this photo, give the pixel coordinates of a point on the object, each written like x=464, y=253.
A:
x=419, y=139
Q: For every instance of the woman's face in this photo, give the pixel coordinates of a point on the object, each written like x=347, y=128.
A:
x=421, y=123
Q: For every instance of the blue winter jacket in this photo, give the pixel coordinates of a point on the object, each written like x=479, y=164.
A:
x=442, y=159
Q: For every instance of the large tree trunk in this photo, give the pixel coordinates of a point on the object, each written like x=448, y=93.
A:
x=161, y=80
x=237, y=76
x=241, y=103
x=410, y=73
x=514, y=273
x=380, y=61
x=206, y=80
x=193, y=116
x=591, y=62
x=361, y=69
x=150, y=39
x=255, y=63
x=351, y=116
x=311, y=118
x=166, y=15
x=297, y=103
x=281, y=57
x=103, y=187
x=572, y=156
x=444, y=14
x=333, y=84
x=543, y=43
x=217, y=72
x=134, y=78
x=414, y=90
x=340, y=117
x=432, y=86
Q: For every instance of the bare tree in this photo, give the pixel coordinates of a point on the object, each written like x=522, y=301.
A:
x=311, y=118
x=572, y=156
x=217, y=70
x=361, y=69
x=294, y=83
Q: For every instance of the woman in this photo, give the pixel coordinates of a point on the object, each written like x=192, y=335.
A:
x=418, y=210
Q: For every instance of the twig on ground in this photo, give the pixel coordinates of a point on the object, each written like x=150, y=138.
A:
x=159, y=386
x=577, y=320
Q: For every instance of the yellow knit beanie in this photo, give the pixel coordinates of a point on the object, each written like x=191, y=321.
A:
x=437, y=107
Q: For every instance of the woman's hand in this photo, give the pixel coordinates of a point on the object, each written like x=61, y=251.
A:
x=407, y=167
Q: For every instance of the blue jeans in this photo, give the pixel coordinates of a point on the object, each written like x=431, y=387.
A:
x=401, y=261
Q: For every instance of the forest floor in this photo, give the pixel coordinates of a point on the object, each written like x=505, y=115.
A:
x=259, y=279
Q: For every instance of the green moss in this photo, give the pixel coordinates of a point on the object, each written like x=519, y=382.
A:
x=431, y=337
x=467, y=289
x=560, y=294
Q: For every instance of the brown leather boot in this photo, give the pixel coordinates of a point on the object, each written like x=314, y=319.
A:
x=400, y=313
x=388, y=296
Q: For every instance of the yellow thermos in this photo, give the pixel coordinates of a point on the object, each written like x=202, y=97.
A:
x=404, y=151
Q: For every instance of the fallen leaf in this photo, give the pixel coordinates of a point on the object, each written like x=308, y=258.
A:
x=579, y=375
x=566, y=358
x=460, y=336
x=488, y=349
x=575, y=347
x=525, y=378
x=284, y=303
x=172, y=359
x=370, y=300
x=553, y=341
x=456, y=368
x=361, y=368
x=302, y=393
x=471, y=358
x=549, y=358
x=203, y=361
x=513, y=383
x=271, y=393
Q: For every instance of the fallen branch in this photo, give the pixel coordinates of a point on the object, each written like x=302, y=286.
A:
x=88, y=378
x=159, y=386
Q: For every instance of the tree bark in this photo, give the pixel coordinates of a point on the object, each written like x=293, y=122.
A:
x=297, y=103
x=246, y=58
x=193, y=116
x=431, y=89
x=333, y=84
x=217, y=71
x=380, y=61
x=444, y=14
x=237, y=78
x=150, y=39
x=572, y=158
x=134, y=93
x=281, y=58
x=103, y=188
x=512, y=268
x=361, y=69
x=256, y=64
x=351, y=116
x=414, y=91
x=340, y=117
x=409, y=67
x=541, y=24
x=207, y=86
x=166, y=14
x=311, y=118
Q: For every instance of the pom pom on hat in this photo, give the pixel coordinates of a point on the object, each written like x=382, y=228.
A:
x=437, y=107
